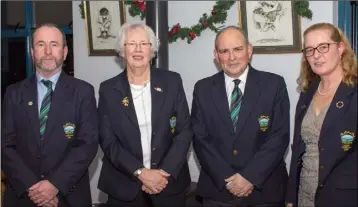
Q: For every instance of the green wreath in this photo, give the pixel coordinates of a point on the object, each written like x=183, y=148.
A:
x=217, y=15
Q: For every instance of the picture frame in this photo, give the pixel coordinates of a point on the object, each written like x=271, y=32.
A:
x=271, y=27
x=103, y=20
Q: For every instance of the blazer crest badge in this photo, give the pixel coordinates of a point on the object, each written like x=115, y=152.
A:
x=263, y=122
x=69, y=130
x=173, y=123
x=347, y=138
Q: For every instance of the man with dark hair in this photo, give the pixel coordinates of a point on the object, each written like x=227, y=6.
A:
x=49, y=130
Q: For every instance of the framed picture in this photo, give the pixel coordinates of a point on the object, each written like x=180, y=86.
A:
x=103, y=20
x=271, y=26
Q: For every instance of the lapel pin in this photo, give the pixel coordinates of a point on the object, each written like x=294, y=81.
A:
x=339, y=104
x=158, y=89
x=125, y=101
x=30, y=103
x=303, y=106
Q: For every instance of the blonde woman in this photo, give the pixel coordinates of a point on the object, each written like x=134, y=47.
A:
x=324, y=157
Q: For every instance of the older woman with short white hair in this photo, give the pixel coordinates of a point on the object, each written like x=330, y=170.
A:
x=145, y=129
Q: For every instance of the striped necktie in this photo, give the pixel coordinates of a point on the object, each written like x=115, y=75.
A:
x=45, y=106
x=236, y=98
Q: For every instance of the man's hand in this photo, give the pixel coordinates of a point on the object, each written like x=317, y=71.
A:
x=238, y=185
x=154, y=181
x=52, y=203
x=42, y=192
x=289, y=205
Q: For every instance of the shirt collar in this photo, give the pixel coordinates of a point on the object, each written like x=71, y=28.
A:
x=242, y=77
x=54, y=78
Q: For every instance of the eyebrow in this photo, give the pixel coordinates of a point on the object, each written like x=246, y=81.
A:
x=241, y=46
x=41, y=41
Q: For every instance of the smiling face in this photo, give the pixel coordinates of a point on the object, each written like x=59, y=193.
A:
x=137, y=50
x=232, y=52
x=48, y=51
x=322, y=53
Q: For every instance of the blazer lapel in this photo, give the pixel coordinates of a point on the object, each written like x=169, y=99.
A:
x=60, y=96
x=125, y=101
x=332, y=143
x=251, y=94
x=29, y=97
x=304, y=103
x=158, y=92
x=337, y=108
x=221, y=100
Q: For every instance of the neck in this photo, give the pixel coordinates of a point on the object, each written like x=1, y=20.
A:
x=47, y=74
x=332, y=80
x=138, y=76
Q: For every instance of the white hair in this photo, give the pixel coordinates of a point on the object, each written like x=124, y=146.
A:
x=122, y=33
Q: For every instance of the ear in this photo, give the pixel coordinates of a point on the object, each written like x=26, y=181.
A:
x=250, y=50
x=65, y=52
x=341, y=48
x=216, y=55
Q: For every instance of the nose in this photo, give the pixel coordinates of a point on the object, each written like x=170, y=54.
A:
x=48, y=50
x=231, y=56
x=138, y=48
x=316, y=54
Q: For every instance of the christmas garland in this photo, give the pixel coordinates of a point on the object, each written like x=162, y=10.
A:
x=217, y=15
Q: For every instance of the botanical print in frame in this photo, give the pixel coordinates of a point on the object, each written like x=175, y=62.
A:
x=271, y=26
x=103, y=20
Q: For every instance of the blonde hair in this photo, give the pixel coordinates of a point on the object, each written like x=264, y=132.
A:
x=348, y=59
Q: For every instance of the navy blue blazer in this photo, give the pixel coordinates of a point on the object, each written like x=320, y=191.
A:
x=63, y=156
x=256, y=150
x=121, y=141
x=338, y=149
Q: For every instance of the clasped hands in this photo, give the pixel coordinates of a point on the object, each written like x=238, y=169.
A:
x=154, y=181
x=43, y=194
x=239, y=186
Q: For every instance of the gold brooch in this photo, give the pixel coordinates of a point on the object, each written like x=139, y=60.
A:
x=125, y=101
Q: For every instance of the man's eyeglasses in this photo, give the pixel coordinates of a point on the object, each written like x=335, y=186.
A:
x=321, y=48
x=133, y=45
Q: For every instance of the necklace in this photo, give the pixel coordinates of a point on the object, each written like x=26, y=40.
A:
x=319, y=91
x=141, y=90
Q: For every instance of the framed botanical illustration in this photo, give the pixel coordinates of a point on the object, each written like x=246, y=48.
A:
x=271, y=26
x=103, y=20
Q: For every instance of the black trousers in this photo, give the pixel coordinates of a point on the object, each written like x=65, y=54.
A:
x=239, y=202
x=146, y=200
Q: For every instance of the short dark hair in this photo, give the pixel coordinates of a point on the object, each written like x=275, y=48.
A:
x=53, y=26
x=239, y=29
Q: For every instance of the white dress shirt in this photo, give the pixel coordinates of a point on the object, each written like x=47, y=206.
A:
x=230, y=85
x=143, y=107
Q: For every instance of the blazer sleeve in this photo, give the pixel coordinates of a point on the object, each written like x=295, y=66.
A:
x=212, y=162
x=84, y=147
x=118, y=156
x=274, y=147
x=177, y=154
x=18, y=174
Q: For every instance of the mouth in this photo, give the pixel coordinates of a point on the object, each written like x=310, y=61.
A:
x=318, y=64
x=137, y=57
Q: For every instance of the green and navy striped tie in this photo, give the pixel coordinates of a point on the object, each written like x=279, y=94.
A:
x=236, y=99
x=45, y=106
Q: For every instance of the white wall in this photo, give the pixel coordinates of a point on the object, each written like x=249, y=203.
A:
x=193, y=61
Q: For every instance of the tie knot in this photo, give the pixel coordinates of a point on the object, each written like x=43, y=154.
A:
x=47, y=83
x=237, y=82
